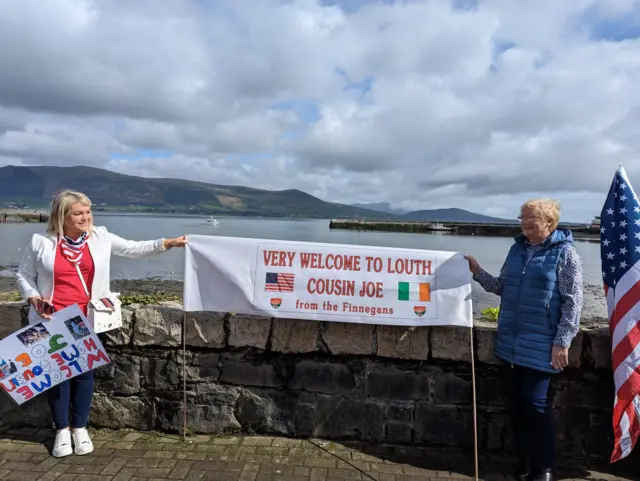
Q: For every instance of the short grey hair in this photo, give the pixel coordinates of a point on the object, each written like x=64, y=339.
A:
x=61, y=207
x=550, y=209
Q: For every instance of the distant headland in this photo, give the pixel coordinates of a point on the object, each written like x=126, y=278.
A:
x=26, y=193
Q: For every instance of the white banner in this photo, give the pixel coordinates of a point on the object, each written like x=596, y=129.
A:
x=328, y=282
x=36, y=358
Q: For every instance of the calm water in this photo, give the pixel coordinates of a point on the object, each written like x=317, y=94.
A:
x=490, y=251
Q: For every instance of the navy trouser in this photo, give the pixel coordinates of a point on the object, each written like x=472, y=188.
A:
x=532, y=417
x=80, y=389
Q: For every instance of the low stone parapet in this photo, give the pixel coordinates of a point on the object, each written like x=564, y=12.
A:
x=375, y=384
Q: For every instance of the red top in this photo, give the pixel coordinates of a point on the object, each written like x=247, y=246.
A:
x=67, y=287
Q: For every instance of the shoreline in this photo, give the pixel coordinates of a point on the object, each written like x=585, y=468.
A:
x=23, y=216
x=580, y=232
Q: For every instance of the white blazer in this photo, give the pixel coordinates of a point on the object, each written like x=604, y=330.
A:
x=35, y=273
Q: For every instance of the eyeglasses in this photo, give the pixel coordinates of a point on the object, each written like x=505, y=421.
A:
x=530, y=218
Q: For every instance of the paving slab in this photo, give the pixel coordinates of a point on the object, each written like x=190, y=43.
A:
x=131, y=456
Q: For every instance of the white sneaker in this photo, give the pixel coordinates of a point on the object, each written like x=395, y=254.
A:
x=82, y=441
x=62, y=444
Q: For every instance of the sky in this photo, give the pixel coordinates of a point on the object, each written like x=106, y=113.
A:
x=475, y=104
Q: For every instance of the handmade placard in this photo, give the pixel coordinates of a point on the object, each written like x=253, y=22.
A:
x=38, y=357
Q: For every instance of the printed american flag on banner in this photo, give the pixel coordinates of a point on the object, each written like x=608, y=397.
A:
x=620, y=255
x=279, y=282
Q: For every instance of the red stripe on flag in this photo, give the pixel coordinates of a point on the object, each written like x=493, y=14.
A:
x=626, y=346
x=634, y=431
x=626, y=392
x=617, y=448
x=624, y=305
x=634, y=422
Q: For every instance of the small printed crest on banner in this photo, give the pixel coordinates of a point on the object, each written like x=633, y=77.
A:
x=275, y=302
x=419, y=310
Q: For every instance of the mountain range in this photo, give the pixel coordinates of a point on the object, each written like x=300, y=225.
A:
x=110, y=191
x=382, y=207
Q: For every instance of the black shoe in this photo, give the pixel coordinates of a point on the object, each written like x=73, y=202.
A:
x=522, y=471
x=542, y=475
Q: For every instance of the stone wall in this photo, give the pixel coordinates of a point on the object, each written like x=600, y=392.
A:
x=331, y=380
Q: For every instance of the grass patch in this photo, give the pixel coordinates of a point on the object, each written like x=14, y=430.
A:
x=490, y=314
x=127, y=299
x=11, y=296
x=146, y=299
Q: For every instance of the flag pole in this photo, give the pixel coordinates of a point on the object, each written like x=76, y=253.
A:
x=184, y=347
x=475, y=414
x=184, y=375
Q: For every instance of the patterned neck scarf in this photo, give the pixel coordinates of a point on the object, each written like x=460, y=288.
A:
x=73, y=249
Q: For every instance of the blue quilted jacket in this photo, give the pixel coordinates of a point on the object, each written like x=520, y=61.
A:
x=531, y=303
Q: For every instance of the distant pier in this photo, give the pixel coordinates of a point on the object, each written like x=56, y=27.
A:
x=583, y=232
x=18, y=216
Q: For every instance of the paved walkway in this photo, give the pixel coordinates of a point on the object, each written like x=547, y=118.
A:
x=129, y=456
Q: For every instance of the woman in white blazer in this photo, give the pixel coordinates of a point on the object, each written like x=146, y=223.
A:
x=67, y=265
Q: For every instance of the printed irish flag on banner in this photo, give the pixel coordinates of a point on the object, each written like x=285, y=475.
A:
x=414, y=291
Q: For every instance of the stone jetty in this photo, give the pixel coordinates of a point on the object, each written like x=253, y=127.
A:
x=22, y=216
x=584, y=232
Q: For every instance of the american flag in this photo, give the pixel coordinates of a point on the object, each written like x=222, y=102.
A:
x=277, y=281
x=620, y=255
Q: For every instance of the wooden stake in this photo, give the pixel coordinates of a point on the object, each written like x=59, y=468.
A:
x=475, y=415
x=184, y=376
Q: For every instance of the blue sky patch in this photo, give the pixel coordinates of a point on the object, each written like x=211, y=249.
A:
x=306, y=110
x=616, y=30
x=464, y=4
x=363, y=86
x=610, y=29
x=499, y=47
x=350, y=6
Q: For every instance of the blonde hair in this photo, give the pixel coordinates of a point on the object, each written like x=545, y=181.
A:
x=61, y=207
x=548, y=207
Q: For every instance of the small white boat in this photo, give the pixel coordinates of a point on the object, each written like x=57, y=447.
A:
x=212, y=221
x=438, y=226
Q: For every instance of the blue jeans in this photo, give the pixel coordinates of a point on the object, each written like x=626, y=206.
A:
x=81, y=389
x=532, y=417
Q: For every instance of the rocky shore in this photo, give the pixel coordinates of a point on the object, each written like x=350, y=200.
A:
x=129, y=287
x=23, y=215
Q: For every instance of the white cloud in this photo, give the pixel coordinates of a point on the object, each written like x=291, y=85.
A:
x=416, y=103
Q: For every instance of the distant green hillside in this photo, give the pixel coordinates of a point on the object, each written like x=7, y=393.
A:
x=109, y=191
x=36, y=186
x=454, y=215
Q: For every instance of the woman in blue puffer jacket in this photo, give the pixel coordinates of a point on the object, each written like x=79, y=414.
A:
x=540, y=285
